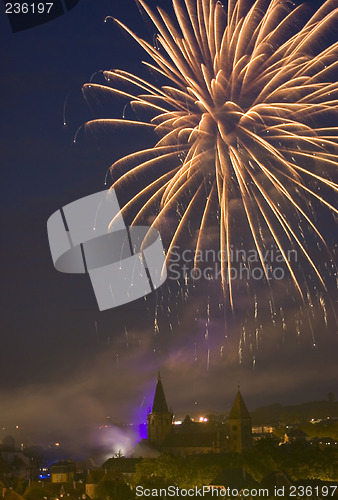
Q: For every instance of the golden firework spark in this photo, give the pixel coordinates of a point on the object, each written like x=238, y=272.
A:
x=249, y=112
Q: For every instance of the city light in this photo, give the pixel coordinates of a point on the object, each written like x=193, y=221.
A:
x=203, y=419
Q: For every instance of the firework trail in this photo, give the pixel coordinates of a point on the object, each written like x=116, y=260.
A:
x=248, y=112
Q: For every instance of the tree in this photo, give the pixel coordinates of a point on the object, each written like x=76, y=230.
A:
x=184, y=472
x=35, y=493
x=19, y=485
x=113, y=489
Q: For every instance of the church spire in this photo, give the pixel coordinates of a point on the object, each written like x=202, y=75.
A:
x=239, y=409
x=159, y=421
x=239, y=426
x=160, y=404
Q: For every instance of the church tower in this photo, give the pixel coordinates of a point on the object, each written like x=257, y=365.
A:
x=239, y=426
x=159, y=421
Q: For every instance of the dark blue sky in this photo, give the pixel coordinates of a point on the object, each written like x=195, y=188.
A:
x=52, y=334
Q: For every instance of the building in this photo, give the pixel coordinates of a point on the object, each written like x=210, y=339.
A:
x=295, y=435
x=160, y=419
x=192, y=437
x=276, y=479
x=62, y=472
x=121, y=468
x=239, y=426
x=92, y=480
x=18, y=464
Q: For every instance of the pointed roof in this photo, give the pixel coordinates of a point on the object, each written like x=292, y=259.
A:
x=160, y=404
x=239, y=409
x=187, y=420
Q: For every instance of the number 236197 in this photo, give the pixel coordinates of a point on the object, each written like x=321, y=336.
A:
x=29, y=8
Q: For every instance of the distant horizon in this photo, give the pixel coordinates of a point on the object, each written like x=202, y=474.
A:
x=64, y=365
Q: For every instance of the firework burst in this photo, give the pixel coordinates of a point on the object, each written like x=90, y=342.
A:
x=248, y=113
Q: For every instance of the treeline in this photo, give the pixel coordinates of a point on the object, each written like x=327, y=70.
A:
x=277, y=414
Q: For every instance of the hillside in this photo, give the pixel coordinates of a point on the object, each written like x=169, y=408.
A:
x=276, y=414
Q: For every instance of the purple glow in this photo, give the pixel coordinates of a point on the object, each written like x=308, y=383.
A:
x=143, y=431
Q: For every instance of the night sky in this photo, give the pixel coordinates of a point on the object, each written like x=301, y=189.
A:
x=64, y=364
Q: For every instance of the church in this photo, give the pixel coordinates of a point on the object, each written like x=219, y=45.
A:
x=194, y=437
